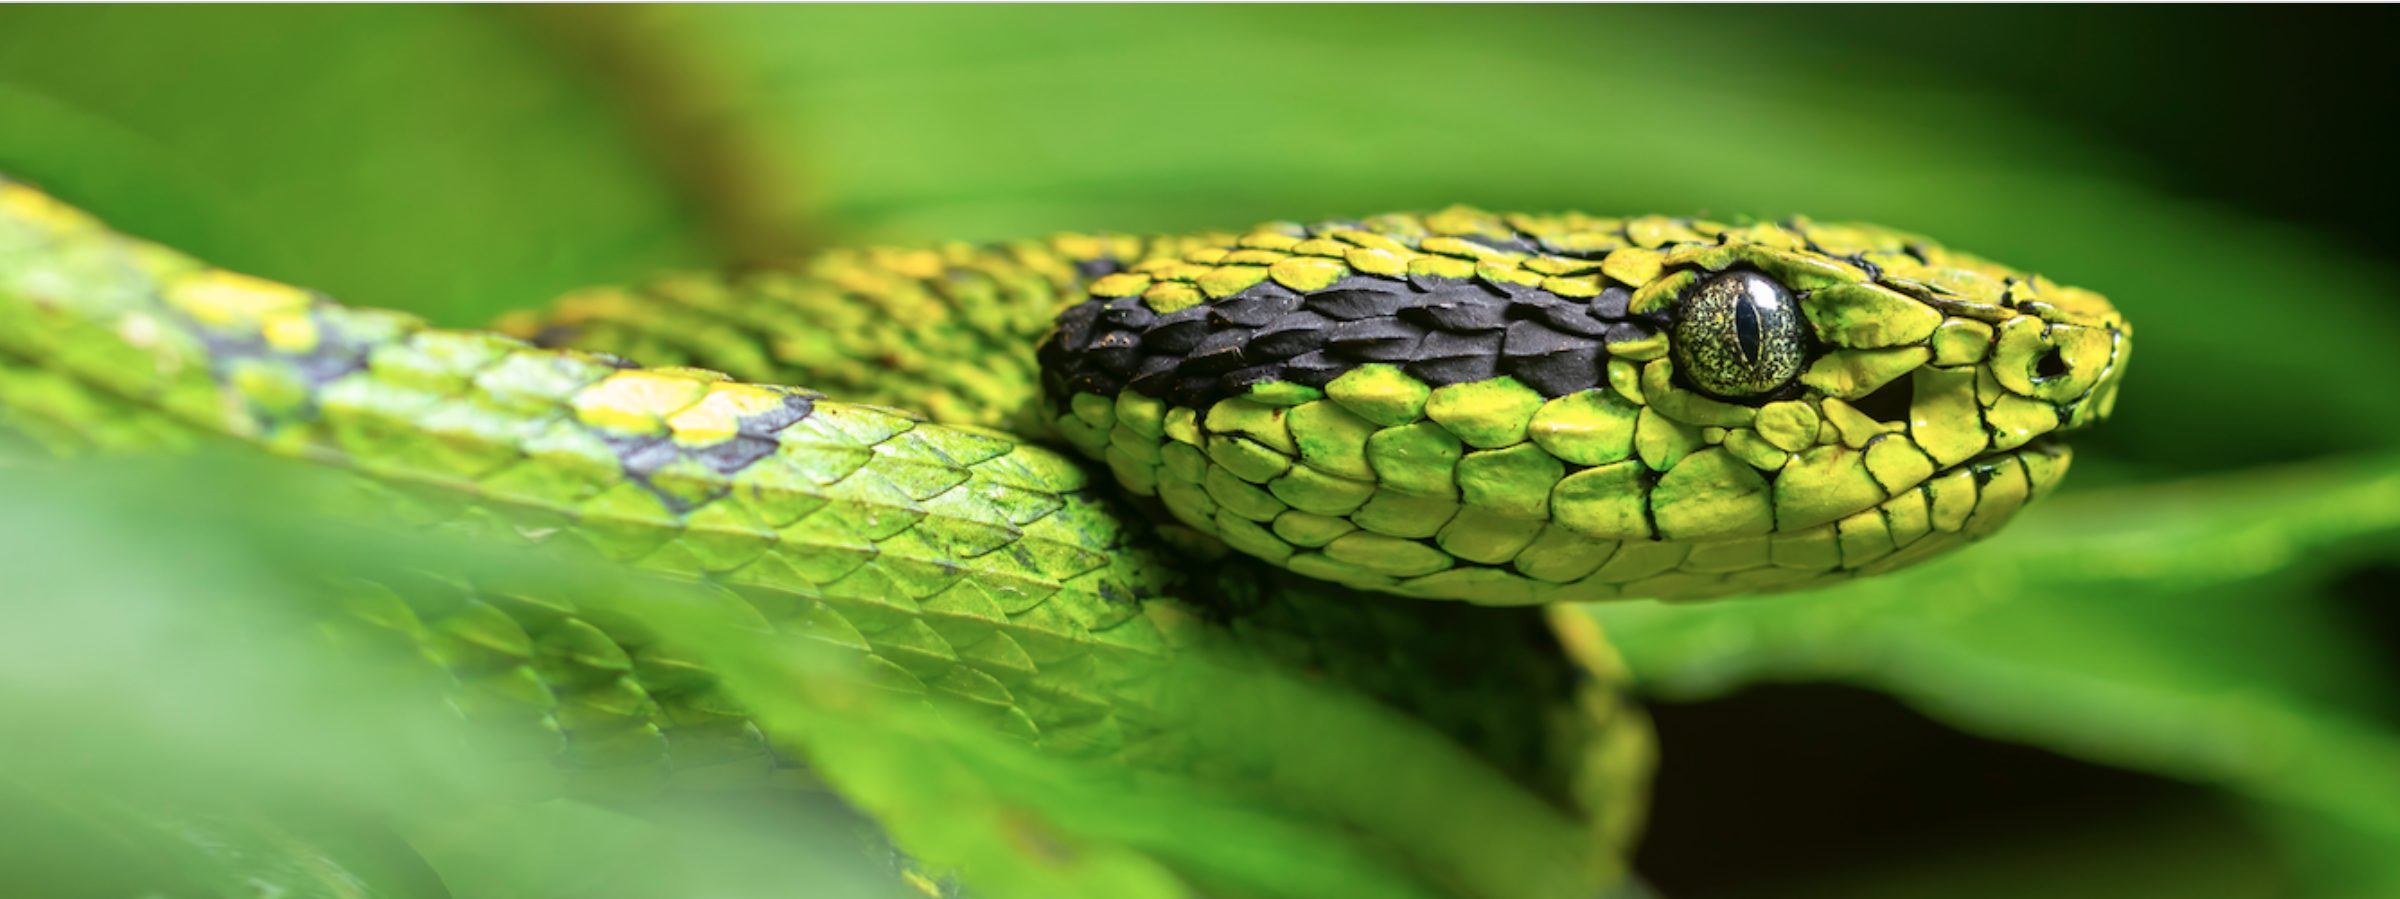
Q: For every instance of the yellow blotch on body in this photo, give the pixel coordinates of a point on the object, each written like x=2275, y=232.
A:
x=717, y=416
x=637, y=401
x=220, y=298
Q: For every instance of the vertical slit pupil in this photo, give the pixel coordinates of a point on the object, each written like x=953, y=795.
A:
x=1745, y=330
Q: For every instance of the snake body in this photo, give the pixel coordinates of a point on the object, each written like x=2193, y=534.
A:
x=1507, y=410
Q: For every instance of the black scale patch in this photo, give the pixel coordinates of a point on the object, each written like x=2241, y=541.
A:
x=754, y=438
x=335, y=356
x=1440, y=330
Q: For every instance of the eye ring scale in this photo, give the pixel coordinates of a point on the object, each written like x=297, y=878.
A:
x=1738, y=335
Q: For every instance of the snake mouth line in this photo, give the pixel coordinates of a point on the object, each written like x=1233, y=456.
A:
x=2046, y=444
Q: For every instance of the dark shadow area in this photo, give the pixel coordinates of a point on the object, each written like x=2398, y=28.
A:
x=1795, y=790
x=2270, y=108
x=2369, y=597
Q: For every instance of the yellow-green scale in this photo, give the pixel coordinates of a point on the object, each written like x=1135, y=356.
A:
x=1910, y=431
x=947, y=330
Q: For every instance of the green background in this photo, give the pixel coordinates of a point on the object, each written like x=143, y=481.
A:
x=2212, y=170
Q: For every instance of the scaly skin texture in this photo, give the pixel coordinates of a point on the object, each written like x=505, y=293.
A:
x=952, y=562
x=1507, y=410
x=881, y=325
x=1474, y=406
x=1489, y=408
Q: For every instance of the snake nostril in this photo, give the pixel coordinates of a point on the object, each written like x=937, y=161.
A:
x=2051, y=365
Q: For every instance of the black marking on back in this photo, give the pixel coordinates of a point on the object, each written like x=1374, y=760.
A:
x=644, y=456
x=1440, y=330
x=1097, y=268
x=1511, y=243
x=336, y=354
x=557, y=336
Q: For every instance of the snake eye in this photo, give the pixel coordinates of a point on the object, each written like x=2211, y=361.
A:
x=1737, y=334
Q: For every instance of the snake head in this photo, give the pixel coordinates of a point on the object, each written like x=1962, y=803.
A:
x=1522, y=409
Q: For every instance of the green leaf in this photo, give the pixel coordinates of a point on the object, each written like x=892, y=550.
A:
x=180, y=725
x=79, y=844
x=2173, y=628
x=164, y=640
x=440, y=160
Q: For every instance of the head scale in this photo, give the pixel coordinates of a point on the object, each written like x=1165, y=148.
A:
x=1516, y=409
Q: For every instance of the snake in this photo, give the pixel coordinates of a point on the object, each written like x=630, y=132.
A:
x=1026, y=477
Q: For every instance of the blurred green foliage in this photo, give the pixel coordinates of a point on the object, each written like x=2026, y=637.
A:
x=185, y=729
x=2170, y=613
x=2151, y=628
x=181, y=727
x=438, y=160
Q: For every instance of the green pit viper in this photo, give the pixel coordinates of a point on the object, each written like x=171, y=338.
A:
x=1372, y=451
